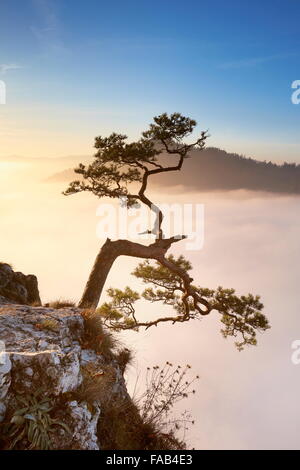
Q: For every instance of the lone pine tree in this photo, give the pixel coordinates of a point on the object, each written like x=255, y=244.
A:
x=118, y=166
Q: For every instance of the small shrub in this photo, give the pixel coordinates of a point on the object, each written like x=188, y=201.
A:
x=166, y=386
x=146, y=423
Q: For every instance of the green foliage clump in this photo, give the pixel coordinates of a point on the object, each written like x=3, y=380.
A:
x=120, y=308
x=241, y=316
x=118, y=163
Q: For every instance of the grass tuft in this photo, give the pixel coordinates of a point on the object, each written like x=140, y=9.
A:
x=124, y=358
x=60, y=303
x=121, y=427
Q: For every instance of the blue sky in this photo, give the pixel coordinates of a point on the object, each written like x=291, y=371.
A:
x=76, y=69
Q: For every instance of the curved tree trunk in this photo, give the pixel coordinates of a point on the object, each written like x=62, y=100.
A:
x=97, y=278
x=106, y=257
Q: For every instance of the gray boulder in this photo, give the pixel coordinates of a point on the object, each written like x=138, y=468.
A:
x=16, y=287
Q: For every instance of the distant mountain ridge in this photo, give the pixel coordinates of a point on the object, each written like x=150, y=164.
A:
x=213, y=169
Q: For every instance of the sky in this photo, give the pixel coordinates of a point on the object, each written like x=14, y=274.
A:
x=74, y=70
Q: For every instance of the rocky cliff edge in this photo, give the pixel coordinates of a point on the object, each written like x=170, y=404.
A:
x=52, y=383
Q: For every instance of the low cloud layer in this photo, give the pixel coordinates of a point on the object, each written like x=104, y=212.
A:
x=244, y=400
